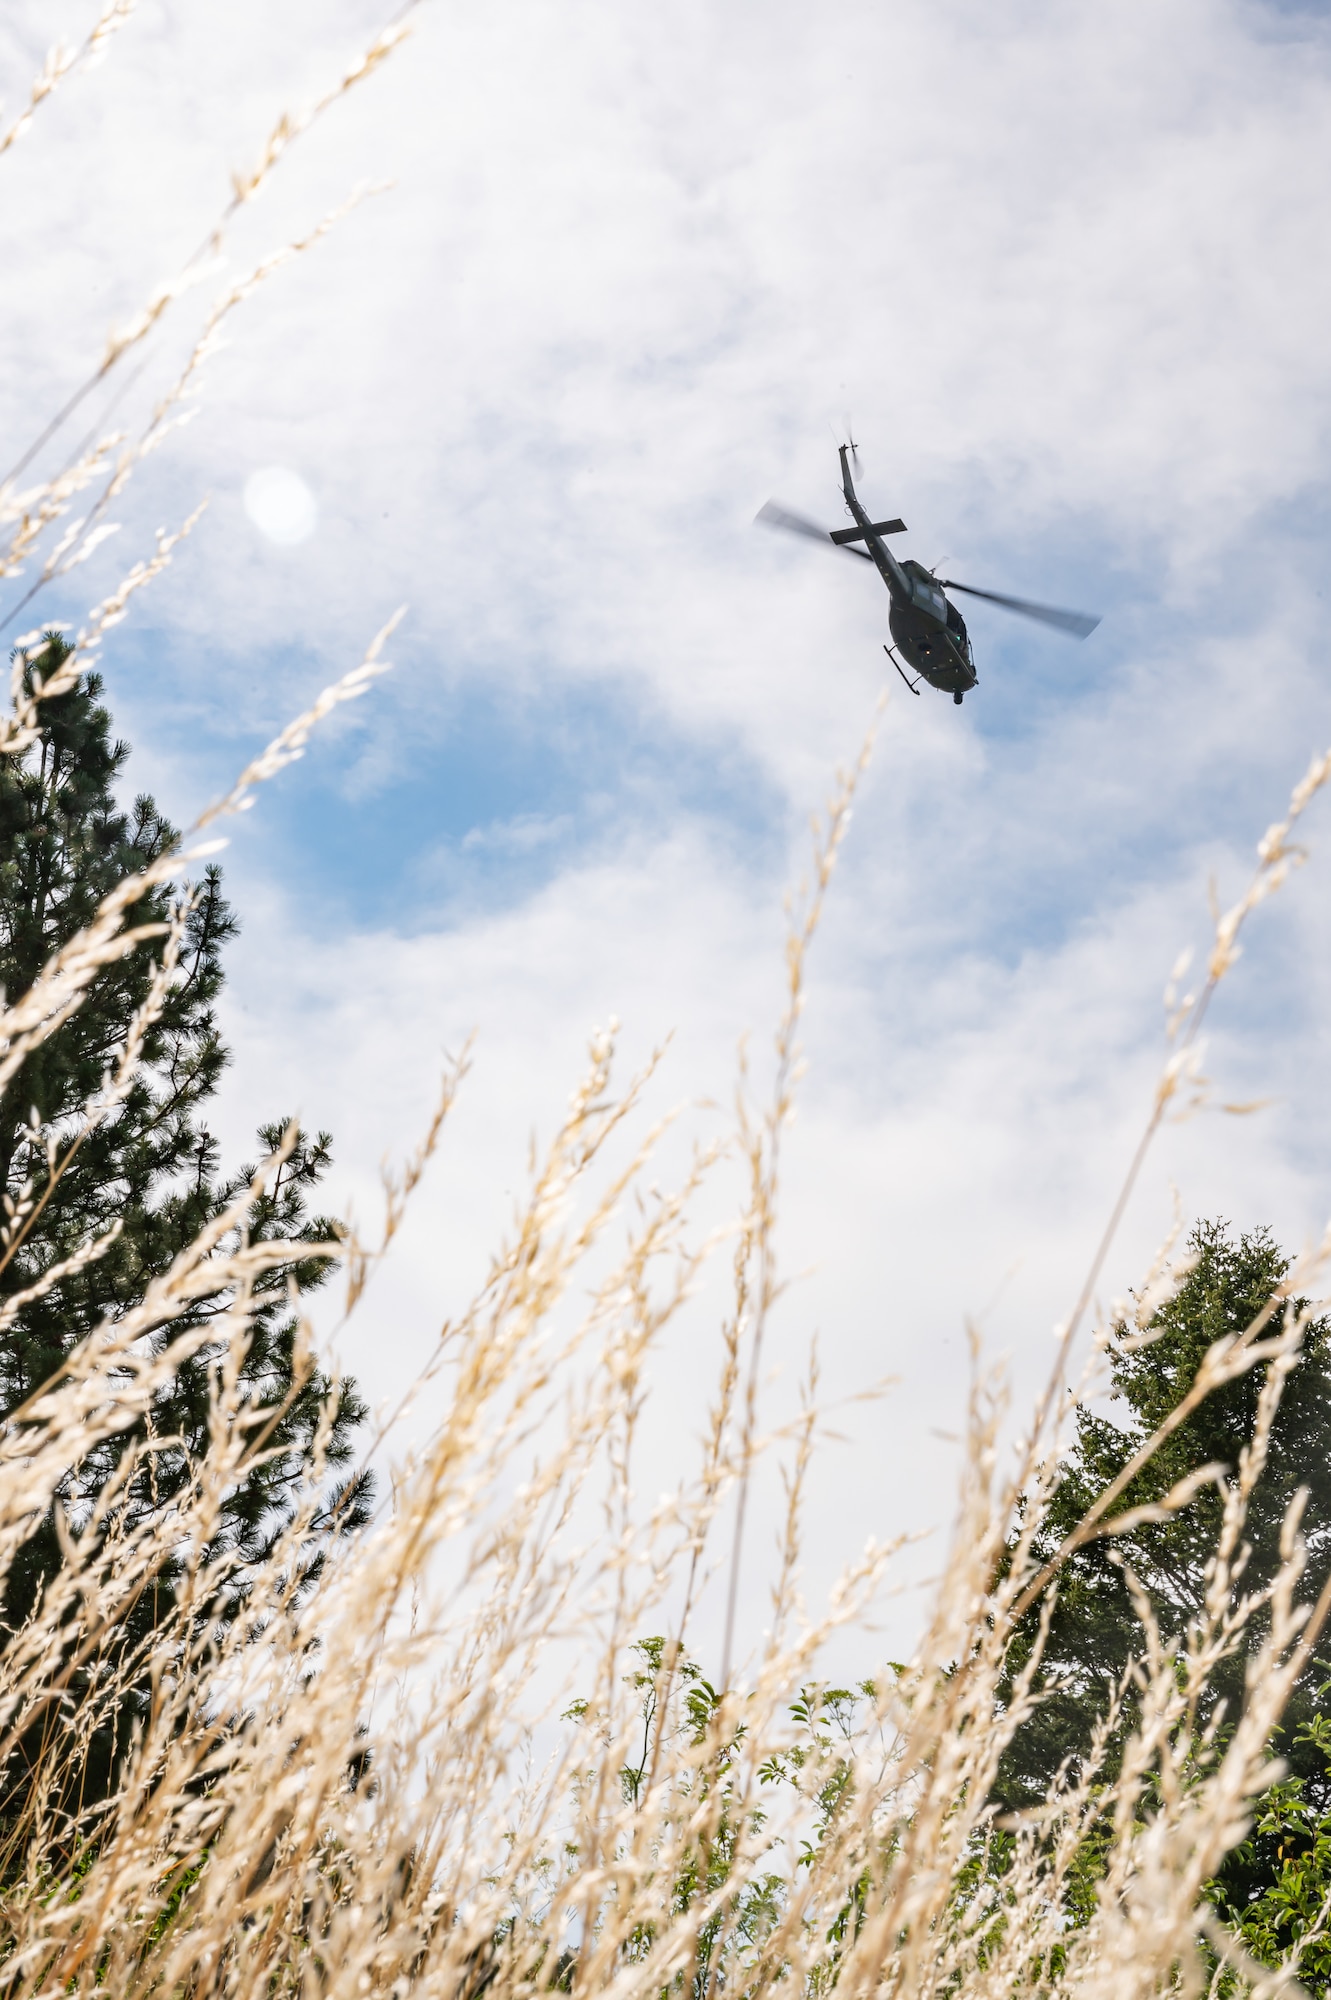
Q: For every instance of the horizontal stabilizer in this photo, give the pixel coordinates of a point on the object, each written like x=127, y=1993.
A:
x=843, y=535
x=773, y=515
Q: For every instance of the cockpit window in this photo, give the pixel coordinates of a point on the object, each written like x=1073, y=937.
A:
x=956, y=625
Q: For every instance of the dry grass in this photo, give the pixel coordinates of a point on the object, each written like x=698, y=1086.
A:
x=340, y=1792
x=248, y=1851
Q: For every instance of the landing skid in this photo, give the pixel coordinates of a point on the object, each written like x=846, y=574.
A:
x=914, y=686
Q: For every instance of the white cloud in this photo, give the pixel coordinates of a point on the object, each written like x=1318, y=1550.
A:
x=1065, y=267
x=518, y=835
x=957, y=1166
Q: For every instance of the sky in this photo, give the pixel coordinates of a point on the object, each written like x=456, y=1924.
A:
x=1063, y=270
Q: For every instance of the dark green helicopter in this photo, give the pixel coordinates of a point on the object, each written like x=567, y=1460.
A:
x=929, y=631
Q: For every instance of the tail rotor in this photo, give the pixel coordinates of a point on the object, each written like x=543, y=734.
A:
x=846, y=438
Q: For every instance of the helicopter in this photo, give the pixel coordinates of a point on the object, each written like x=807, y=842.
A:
x=929, y=631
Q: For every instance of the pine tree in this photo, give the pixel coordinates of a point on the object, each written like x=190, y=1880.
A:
x=1095, y=1629
x=152, y=1166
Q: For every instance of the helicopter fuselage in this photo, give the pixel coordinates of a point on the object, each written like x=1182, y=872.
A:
x=935, y=646
x=929, y=631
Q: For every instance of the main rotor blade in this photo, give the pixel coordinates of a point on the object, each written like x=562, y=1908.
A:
x=772, y=515
x=1078, y=624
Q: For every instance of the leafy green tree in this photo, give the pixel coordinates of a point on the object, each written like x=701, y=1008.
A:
x=1095, y=1629
x=1275, y=1887
x=151, y=1166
